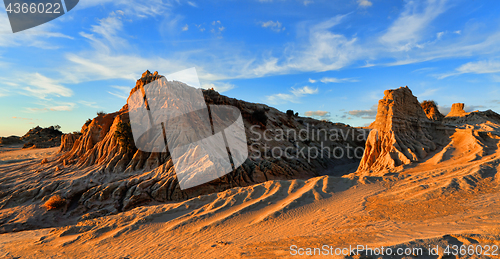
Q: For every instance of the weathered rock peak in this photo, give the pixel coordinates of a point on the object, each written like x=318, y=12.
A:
x=457, y=110
x=400, y=134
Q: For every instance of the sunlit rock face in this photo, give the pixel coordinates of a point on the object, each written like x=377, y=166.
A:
x=431, y=110
x=457, y=110
x=401, y=133
x=100, y=171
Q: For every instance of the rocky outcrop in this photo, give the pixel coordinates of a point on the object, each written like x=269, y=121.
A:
x=42, y=137
x=100, y=174
x=68, y=141
x=401, y=133
x=431, y=111
x=36, y=137
x=12, y=140
x=457, y=110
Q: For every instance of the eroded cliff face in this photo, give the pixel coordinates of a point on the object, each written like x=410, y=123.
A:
x=99, y=175
x=401, y=133
x=406, y=132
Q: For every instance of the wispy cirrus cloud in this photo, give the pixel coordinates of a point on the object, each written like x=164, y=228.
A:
x=293, y=96
x=41, y=36
x=410, y=27
x=479, y=67
x=41, y=86
x=52, y=106
x=327, y=80
x=323, y=51
x=121, y=92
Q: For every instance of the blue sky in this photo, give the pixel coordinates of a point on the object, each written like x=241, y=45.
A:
x=327, y=59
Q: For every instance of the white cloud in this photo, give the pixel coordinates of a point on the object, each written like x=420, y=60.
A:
x=427, y=93
x=122, y=93
x=327, y=80
x=322, y=114
x=364, y=3
x=40, y=86
x=312, y=81
x=365, y=114
x=323, y=51
x=479, y=67
x=303, y=91
x=34, y=37
x=185, y=28
x=106, y=33
x=193, y=4
x=409, y=28
x=275, y=26
x=219, y=86
x=59, y=106
x=89, y=104
x=293, y=96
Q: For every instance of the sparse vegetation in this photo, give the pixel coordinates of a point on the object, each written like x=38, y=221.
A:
x=88, y=122
x=99, y=113
x=55, y=202
x=124, y=136
x=289, y=113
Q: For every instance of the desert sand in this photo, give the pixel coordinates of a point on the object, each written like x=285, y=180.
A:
x=421, y=183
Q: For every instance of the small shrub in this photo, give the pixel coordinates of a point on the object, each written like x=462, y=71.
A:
x=296, y=114
x=99, y=113
x=88, y=122
x=124, y=136
x=289, y=113
x=54, y=203
x=260, y=116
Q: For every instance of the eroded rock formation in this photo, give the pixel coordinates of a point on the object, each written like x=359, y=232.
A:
x=457, y=110
x=431, y=111
x=36, y=137
x=98, y=173
x=401, y=133
x=406, y=131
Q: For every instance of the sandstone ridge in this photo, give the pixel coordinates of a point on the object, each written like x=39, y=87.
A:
x=99, y=173
x=406, y=132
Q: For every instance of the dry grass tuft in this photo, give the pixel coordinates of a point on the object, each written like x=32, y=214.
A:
x=54, y=203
